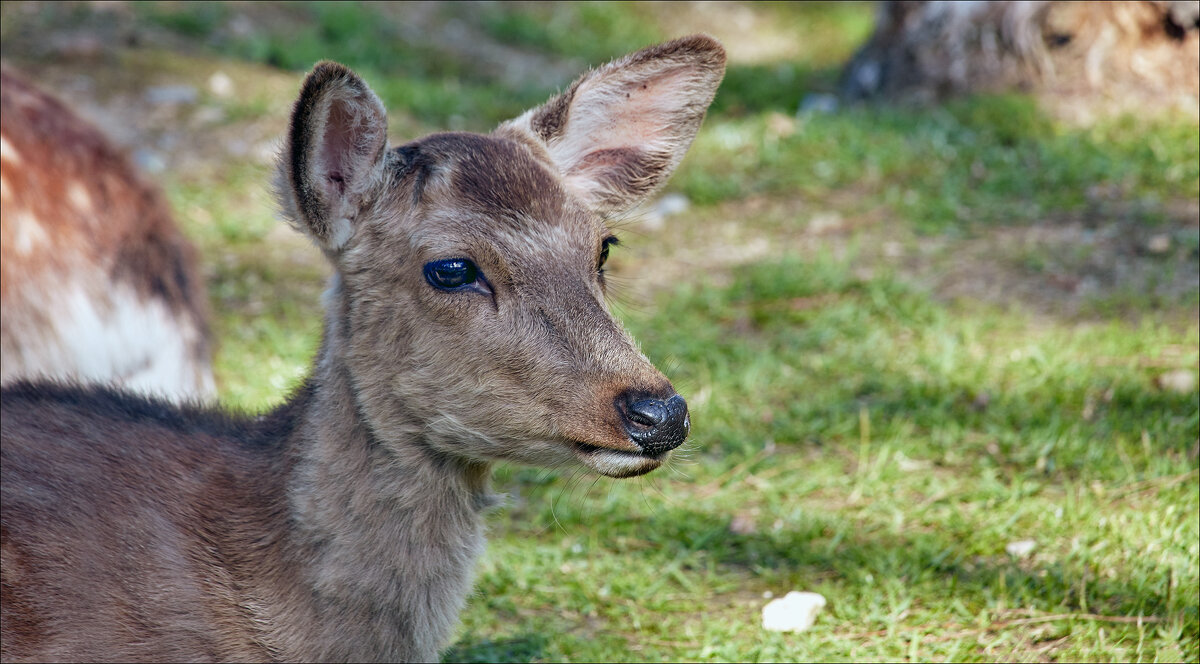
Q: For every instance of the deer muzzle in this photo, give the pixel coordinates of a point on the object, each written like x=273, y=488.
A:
x=654, y=427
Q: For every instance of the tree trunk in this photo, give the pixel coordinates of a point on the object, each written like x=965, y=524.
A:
x=1094, y=56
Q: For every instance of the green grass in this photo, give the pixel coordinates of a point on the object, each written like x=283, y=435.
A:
x=884, y=449
x=590, y=31
x=985, y=160
x=855, y=432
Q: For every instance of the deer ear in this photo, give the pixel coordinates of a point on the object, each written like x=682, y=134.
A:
x=619, y=131
x=334, y=154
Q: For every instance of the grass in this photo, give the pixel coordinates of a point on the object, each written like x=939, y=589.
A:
x=985, y=160
x=882, y=450
x=857, y=431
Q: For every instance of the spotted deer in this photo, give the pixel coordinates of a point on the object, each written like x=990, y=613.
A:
x=465, y=324
x=96, y=281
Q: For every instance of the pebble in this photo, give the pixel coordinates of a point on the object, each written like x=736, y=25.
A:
x=1182, y=381
x=1159, y=243
x=220, y=84
x=794, y=612
x=1020, y=548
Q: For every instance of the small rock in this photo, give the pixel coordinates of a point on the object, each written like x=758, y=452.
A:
x=220, y=84
x=794, y=612
x=1159, y=243
x=1020, y=548
x=1182, y=381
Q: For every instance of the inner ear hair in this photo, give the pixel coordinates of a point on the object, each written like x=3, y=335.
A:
x=619, y=131
x=335, y=149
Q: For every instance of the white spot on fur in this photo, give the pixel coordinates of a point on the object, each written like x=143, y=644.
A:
x=78, y=196
x=115, y=338
x=8, y=152
x=28, y=232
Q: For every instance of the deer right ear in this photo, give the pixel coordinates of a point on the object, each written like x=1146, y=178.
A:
x=619, y=131
x=334, y=154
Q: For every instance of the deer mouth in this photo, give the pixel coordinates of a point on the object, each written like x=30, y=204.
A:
x=617, y=463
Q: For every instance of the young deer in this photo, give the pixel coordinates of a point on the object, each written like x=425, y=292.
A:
x=96, y=282
x=465, y=324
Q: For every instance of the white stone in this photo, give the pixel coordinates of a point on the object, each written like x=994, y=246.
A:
x=794, y=612
x=1182, y=381
x=1020, y=548
x=1159, y=243
x=220, y=84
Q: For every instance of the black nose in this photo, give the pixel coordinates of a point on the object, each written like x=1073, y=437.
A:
x=656, y=425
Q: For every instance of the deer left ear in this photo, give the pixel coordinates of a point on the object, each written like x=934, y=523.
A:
x=334, y=154
x=619, y=131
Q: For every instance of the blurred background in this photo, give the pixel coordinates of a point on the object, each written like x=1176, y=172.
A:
x=928, y=279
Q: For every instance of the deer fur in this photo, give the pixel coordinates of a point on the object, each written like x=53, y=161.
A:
x=96, y=281
x=346, y=524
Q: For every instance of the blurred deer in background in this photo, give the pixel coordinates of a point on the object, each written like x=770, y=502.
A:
x=96, y=282
x=465, y=324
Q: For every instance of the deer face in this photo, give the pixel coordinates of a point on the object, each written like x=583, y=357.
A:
x=469, y=296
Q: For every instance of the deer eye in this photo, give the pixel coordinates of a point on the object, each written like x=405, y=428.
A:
x=451, y=274
x=604, y=245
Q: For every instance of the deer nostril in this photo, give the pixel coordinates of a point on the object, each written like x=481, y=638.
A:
x=648, y=412
x=657, y=425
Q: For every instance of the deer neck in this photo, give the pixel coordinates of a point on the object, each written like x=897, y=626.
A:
x=388, y=530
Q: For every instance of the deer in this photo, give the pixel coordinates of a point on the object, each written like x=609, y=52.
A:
x=465, y=324
x=97, y=282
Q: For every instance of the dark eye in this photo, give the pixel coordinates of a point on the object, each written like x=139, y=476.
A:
x=604, y=245
x=451, y=274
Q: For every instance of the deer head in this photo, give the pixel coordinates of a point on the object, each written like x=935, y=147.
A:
x=468, y=302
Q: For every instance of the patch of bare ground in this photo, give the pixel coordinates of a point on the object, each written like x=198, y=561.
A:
x=1070, y=266
x=750, y=36
x=189, y=118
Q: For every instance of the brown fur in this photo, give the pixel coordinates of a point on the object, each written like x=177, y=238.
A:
x=78, y=221
x=1110, y=56
x=345, y=525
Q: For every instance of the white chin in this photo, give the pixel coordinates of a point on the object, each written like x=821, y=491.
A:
x=615, y=463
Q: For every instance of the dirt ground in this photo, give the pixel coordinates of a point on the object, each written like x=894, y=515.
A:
x=174, y=115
